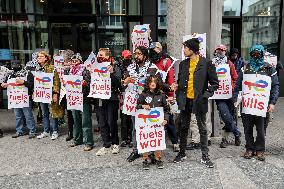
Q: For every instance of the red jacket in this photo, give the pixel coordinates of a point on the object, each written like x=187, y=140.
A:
x=171, y=73
x=234, y=75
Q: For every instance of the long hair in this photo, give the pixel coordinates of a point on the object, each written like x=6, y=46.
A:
x=156, y=79
x=47, y=56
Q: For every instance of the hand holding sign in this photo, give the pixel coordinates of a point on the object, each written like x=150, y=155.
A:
x=146, y=107
x=4, y=85
x=110, y=68
x=174, y=86
x=20, y=81
x=271, y=107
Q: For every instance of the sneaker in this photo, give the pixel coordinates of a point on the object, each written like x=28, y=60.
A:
x=209, y=142
x=73, y=145
x=146, y=165
x=180, y=157
x=193, y=146
x=32, y=135
x=224, y=143
x=69, y=137
x=115, y=149
x=205, y=160
x=160, y=164
x=133, y=156
x=54, y=135
x=102, y=151
x=176, y=147
x=238, y=140
x=17, y=135
x=130, y=145
x=248, y=154
x=43, y=135
x=88, y=148
x=1, y=133
x=123, y=144
x=260, y=156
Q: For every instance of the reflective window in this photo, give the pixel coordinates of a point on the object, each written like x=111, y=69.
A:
x=23, y=6
x=134, y=7
x=74, y=6
x=226, y=35
x=162, y=7
x=261, y=7
x=232, y=8
x=109, y=7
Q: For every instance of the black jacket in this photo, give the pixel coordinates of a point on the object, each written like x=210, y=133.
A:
x=205, y=73
x=29, y=83
x=116, y=77
x=266, y=70
x=157, y=99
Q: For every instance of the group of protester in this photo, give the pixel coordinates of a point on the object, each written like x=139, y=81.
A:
x=196, y=82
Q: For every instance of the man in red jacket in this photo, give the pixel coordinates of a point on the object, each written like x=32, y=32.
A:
x=165, y=66
x=226, y=106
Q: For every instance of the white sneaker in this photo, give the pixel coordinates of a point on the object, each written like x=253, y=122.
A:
x=43, y=135
x=102, y=151
x=115, y=149
x=54, y=135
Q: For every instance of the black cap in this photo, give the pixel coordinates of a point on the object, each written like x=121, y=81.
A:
x=192, y=44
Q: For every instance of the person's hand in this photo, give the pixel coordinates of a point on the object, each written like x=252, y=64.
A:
x=174, y=86
x=128, y=80
x=146, y=107
x=271, y=107
x=4, y=85
x=235, y=104
x=55, y=98
x=20, y=81
x=170, y=99
x=110, y=68
x=164, y=122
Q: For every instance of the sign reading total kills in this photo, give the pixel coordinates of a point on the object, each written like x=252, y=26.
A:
x=256, y=92
x=140, y=36
x=74, y=95
x=43, y=83
x=18, y=96
x=225, y=86
x=100, y=81
x=202, y=43
x=150, y=133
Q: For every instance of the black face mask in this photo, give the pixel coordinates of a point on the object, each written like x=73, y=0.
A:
x=16, y=67
x=154, y=56
x=138, y=61
x=127, y=62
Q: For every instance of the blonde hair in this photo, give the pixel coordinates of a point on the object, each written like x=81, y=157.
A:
x=107, y=51
x=47, y=56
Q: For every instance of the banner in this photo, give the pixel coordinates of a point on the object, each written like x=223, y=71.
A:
x=100, y=81
x=18, y=96
x=256, y=92
x=130, y=100
x=74, y=95
x=225, y=82
x=202, y=46
x=270, y=59
x=58, y=61
x=43, y=84
x=140, y=36
x=150, y=134
x=91, y=61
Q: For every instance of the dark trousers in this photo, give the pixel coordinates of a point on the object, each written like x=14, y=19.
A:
x=108, y=122
x=185, y=116
x=171, y=130
x=126, y=127
x=226, y=110
x=249, y=121
x=70, y=122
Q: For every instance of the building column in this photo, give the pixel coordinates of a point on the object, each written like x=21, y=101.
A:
x=281, y=58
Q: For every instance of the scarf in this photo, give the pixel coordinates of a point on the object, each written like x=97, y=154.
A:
x=219, y=59
x=257, y=63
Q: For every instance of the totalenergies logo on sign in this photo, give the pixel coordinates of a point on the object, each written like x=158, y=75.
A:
x=141, y=84
x=16, y=86
x=102, y=72
x=142, y=30
x=153, y=116
x=259, y=85
x=74, y=84
x=221, y=72
x=44, y=80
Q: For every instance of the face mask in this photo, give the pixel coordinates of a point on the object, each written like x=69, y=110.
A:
x=16, y=67
x=127, y=62
x=154, y=56
x=102, y=59
x=137, y=61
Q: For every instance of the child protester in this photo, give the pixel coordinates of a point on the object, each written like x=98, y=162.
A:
x=151, y=97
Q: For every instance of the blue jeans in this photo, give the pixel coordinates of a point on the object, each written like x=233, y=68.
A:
x=226, y=110
x=48, y=121
x=20, y=114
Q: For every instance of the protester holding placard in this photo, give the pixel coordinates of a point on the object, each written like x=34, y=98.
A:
x=193, y=91
x=224, y=103
x=110, y=107
x=260, y=90
x=152, y=97
x=82, y=119
x=136, y=72
x=56, y=110
x=126, y=122
x=167, y=73
x=25, y=78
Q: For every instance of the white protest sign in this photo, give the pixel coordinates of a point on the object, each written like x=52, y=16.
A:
x=91, y=61
x=140, y=36
x=74, y=95
x=202, y=40
x=18, y=96
x=270, y=59
x=225, y=85
x=58, y=61
x=43, y=83
x=256, y=92
x=130, y=100
x=150, y=134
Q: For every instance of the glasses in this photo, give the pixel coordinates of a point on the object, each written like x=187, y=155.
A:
x=220, y=50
